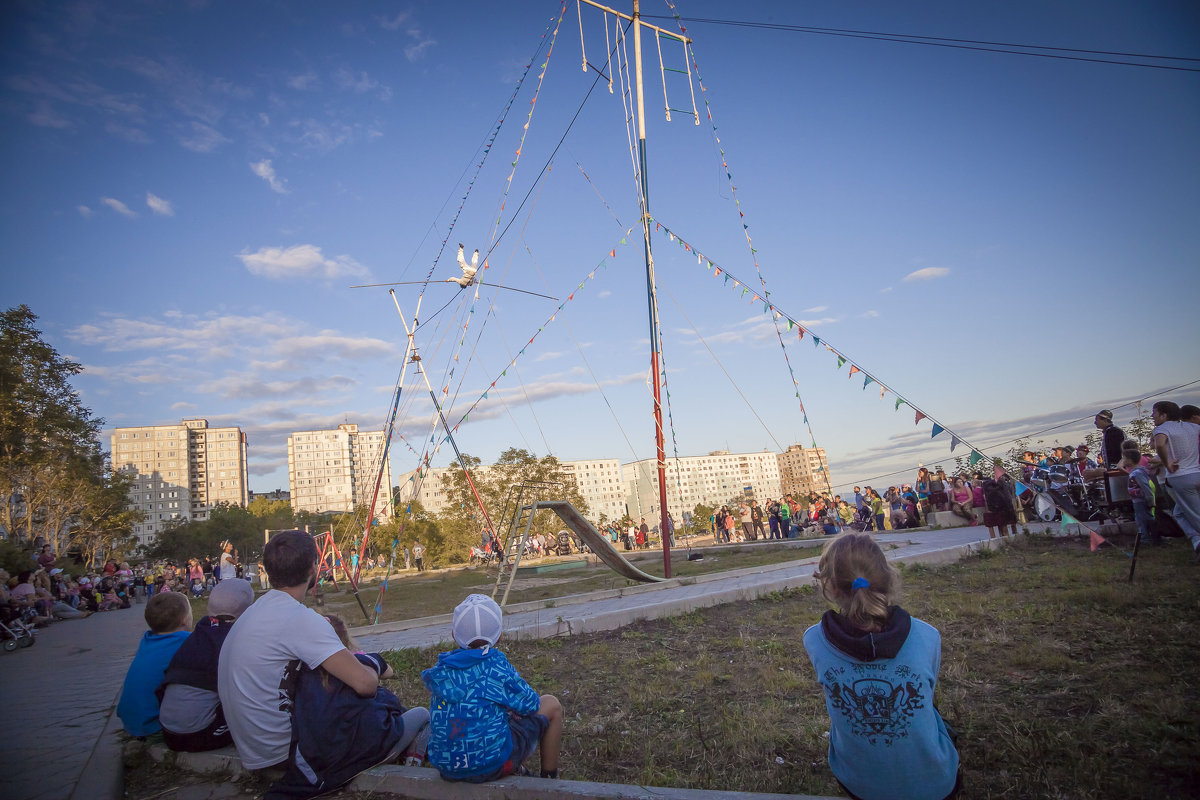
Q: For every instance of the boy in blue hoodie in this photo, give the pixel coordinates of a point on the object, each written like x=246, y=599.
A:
x=484, y=718
x=169, y=617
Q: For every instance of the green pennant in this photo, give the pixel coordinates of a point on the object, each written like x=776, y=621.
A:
x=841, y=362
x=975, y=458
x=899, y=402
x=744, y=290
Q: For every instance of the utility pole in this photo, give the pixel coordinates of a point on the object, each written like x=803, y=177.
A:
x=651, y=298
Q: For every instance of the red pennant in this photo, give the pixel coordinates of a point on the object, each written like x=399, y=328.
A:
x=853, y=369
x=1096, y=540
x=920, y=417
x=613, y=253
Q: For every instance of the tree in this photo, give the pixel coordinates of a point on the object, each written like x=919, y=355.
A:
x=103, y=527
x=460, y=524
x=51, y=464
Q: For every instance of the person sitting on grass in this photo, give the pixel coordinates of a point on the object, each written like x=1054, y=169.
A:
x=879, y=667
x=169, y=617
x=337, y=734
x=485, y=720
x=189, y=707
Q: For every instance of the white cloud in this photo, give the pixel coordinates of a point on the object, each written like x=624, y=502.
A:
x=46, y=117
x=158, y=205
x=815, y=309
x=118, y=206
x=264, y=170
x=84, y=211
x=299, y=261
x=414, y=52
x=885, y=290
x=203, y=138
x=395, y=23
x=604, y=293
x=249, y=386
x=822, y=321
x=303, y=82
x=929, y=273
x=331, y=344
x=871, y=314
x=182, y=406
x=127, y=133
x=548, y=356
x=360, y=82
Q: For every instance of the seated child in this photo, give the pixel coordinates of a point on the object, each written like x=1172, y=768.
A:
x=879, y=668
x=484, y=718
x=189, y=708
x=169, y=618
x=337, y=734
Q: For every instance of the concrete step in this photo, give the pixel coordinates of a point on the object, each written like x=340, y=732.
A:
x=420, y=783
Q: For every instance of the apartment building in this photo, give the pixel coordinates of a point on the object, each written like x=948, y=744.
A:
x=713, y=479
x=803, y=470
x=336, y=470
x=180, y=471
x=600, y=483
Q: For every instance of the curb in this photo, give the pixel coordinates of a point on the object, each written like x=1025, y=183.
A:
x=422, y=783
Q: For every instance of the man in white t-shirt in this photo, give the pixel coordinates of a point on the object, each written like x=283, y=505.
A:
x=264, y=651
x=1178, y=446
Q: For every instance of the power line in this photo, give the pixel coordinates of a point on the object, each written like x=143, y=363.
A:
x=957, y=44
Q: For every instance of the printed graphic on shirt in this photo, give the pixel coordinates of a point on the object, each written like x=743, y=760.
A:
x=877, y=708
x=288, y=684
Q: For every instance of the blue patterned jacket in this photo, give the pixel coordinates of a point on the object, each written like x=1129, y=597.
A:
x=471, y=693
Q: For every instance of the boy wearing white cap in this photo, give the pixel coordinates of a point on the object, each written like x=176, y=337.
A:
x=484, y=718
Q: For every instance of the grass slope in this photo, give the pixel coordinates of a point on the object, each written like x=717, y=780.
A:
x=1063, y=680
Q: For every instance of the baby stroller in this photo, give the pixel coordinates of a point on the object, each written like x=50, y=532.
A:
x=863, y=520
x=15, y=632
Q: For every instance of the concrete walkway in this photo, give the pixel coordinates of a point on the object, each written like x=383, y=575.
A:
x=58, y=697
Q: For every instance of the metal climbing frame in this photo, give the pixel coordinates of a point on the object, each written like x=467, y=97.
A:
x=520, y=506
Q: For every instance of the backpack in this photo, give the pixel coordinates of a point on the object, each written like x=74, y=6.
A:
x=996, y=496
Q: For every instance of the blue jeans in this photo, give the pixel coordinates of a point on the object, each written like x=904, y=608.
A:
x=1145, y=521
x=1185, y=491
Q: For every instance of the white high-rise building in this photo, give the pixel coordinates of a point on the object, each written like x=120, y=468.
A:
x=713, y=479
x=432, y=495
x=803, y=470
x=600, y=483
x=337, y=470
x=180, y=471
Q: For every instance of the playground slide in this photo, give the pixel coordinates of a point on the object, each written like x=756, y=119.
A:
x=597, y=541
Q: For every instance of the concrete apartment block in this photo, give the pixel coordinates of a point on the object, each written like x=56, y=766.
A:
x=180, y=471
x=336, y=470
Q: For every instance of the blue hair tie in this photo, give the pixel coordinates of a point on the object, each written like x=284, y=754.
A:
x=860, y=583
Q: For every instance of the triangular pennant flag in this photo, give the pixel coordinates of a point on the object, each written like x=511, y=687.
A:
x=882, y=390
x=1095, y=539
x=841, y=362
x=975, y=458
x=612, y=253
x=816, y=341
x=867, y=382
x=936, y=430
x=953, y=443
x=791, y=322
x=1021, y=488
x=920, y=417
x=853, y=371
x=800, y=338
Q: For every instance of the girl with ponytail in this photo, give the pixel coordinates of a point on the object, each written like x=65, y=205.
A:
x=879, y=668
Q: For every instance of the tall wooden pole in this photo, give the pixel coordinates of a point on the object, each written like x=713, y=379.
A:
x=660, y=450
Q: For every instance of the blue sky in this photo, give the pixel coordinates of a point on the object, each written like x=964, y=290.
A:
x=1008, y=242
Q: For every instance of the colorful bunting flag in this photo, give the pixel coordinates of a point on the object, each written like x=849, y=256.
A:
x=936, y=430
x=841, y=362
x=920, y=416
x=975, y=458
x=953, y=443
x=853, y=371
